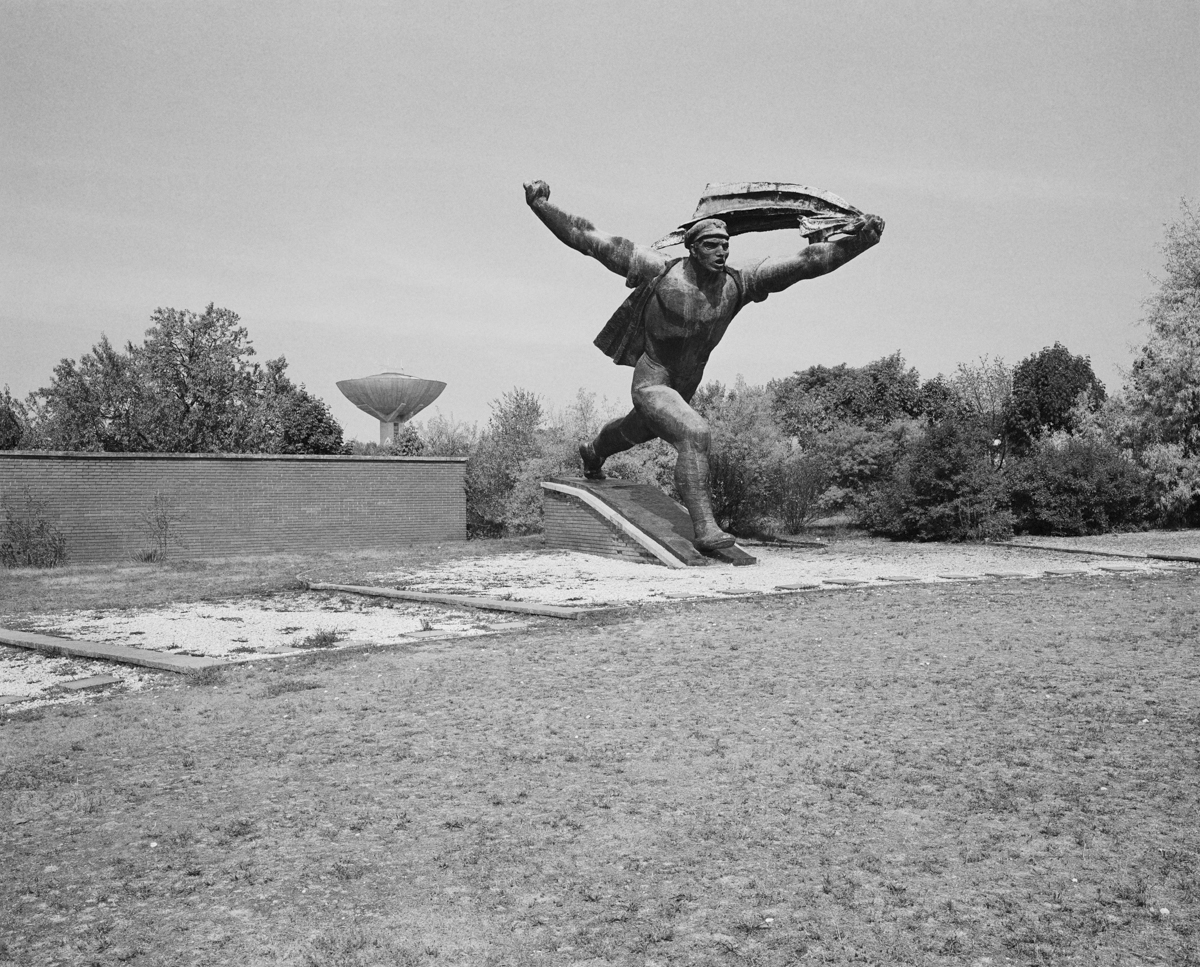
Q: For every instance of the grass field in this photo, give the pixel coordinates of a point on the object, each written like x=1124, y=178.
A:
x=971, y=774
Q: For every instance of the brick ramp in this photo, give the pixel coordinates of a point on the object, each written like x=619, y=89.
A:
x=619, y=518
x=47, y=644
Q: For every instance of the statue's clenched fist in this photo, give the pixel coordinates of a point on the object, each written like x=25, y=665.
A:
x=536, y=191
x=871, y=230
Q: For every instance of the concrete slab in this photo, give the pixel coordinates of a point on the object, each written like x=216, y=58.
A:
x=959, y=577
x=50, y=645
x=456, y=600
x=898, y=578
x=92, y=681
x=13, y=699
x=844, y=582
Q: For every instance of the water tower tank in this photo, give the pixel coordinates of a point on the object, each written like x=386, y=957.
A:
x=392, y=398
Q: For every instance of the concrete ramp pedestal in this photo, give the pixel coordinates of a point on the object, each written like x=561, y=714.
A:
x=621, y=519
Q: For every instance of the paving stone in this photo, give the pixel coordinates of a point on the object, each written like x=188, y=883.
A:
x=1005, y=574
x=959, y=577
x=1120, y=568
x=844, y=582
x=1065, y=571
x=13, y=699
x=93, y=681
x=802, y=586
x=898, y=578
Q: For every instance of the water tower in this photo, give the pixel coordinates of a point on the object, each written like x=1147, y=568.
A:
x=392, y=398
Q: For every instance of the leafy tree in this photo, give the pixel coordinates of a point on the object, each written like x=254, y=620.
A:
x=508, y=443
x=943, y=487
x=1045, y=390
x=444, y=436
x=1163, y=388
x=12, y=427
x=1070, y=484
x=983, y=393
x=816, y=399
x=747, y=450
x=191, y=387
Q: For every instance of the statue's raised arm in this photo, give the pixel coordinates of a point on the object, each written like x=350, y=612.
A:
x=615, y=253
x=819, y=258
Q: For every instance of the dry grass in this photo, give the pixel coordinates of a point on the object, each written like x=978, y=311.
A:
x=134, y=585
x=1002, y=773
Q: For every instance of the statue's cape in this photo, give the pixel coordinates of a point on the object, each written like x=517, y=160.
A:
x=623, y=338
x=765, y=206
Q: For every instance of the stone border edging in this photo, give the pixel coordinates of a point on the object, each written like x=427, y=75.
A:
x=1069, y=550
x=69, y=647
x=459, y=600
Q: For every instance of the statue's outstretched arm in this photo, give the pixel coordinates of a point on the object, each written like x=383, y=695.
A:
x=613, y=252
x=777, y=274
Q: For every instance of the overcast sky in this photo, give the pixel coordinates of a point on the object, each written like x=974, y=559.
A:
x=347, y=177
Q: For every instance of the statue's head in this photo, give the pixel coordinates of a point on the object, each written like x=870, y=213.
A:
x=708, y=243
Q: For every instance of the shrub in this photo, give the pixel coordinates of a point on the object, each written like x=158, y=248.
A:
x=28, y=538
x=747, y=449
x=494, y=465
x=857, y=459
x=943, y=487
x=1071, y=485
x=798, y=484
x=158, y=522
x=1176, y=484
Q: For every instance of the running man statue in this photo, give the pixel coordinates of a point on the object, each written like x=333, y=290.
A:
x=669, y=326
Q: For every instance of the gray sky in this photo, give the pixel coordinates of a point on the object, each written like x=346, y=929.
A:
x=347, y=177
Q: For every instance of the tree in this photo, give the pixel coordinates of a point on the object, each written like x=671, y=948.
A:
x=816, y=399
x=984, y=393
x=12, y=427
x=495, y=464
x=1163, y=388
x=1045, y=390
x=191, y=387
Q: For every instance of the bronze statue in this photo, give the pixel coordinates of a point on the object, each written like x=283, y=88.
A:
x=668, y=327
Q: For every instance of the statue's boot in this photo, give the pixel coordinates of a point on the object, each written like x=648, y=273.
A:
x=691, y=480
x=593, y=464
x=616, y=436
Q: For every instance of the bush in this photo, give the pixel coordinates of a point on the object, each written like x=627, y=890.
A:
x=1176, y=484
x=1070, y=485
x=858, y=459
x=798, y=484
x=944, y=487
x=748, y=450
x=28, y=538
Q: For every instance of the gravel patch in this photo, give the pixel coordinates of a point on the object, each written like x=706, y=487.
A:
x=566, y=578
x=256, y=628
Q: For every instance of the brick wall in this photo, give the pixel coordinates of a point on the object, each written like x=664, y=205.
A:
x=571, y=525
x=241, y=504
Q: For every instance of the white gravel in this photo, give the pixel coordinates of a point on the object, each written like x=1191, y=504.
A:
x=257, y=628
x=567, y=578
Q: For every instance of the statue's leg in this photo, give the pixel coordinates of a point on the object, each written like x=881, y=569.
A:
x=617, y=436
x=667, y=414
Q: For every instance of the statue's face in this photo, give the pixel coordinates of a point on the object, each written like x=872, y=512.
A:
x=711, y=253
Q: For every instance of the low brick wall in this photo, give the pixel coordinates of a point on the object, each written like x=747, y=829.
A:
x=571, y=525
x=240, y=504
